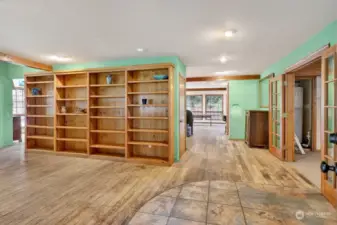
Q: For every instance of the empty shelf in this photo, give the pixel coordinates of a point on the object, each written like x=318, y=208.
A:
x=148, y=118
x=39, y=106
x=72, y=139
x=107, y=85
x=146, y=81
x=72, y=114
x=40, y=116
x=106, y=96
x=40, y=96
x=148, y=105
x=39, y=126
x=107, y=117
x=108, y=131
x=40, y=137
x=148, y=93
x=71, y=127
x=72, y=86
x=148, y=130
x=72, y=99
x=39, y=82
x=148, y=143
x=107, y=107
x=107, y=146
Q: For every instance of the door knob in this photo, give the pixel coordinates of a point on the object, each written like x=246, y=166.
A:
x=325, y=168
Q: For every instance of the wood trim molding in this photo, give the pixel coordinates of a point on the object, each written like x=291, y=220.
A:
x=225, y=77
x=267, y=77
x=316, y=55
x=25, y=62
x=206, y=89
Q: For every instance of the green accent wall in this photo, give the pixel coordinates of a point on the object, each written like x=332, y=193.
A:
x=243, y=95
x=180, y=68
x=7, y=73
x=324, y=37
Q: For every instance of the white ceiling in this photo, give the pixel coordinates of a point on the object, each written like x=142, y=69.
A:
x=89, y=30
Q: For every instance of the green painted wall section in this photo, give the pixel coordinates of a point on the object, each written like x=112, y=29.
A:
x=243, y=96
x=324, y=37
x=180, y=68
x=7, y=73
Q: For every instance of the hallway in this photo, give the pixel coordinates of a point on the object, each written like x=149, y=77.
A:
x=109, y=192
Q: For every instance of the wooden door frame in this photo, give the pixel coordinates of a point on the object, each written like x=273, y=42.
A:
x=180, y=150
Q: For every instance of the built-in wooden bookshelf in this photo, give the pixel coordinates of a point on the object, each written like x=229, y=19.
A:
x=40, y=112
x=85, y=113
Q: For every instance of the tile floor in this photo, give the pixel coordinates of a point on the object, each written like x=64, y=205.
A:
x=232, y=203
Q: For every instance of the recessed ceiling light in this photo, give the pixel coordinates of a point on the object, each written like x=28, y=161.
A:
x=226, y=72
x=59, y=58
x=140, y=49
x=229, y=33
x=223, y=59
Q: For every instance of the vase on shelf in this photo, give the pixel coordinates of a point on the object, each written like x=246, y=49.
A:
x=144, y=101
x=36, y=91
x=109, y=79
x=63, y=109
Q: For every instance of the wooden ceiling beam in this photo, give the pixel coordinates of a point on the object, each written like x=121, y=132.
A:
x=206, y=89
x=225, y=77
x=25, y=62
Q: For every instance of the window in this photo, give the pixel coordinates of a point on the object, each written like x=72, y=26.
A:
x=194, y=103
x=18, y=94
x=214, y=106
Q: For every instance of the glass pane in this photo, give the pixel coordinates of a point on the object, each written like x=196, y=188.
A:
x=330, y=120
x=331, y=93
x=330, y=146
x=194, y=103
x=214, y=106
x=274, y=140
x=274, y=127
x=274, y=100
x=331, y=174
x=278, y=142
x=278, y=128
x=279, y=100
x=279, y=86
x=330, y=65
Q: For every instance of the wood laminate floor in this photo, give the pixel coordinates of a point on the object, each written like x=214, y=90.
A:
x=48, y=189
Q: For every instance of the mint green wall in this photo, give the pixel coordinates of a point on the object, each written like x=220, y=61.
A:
x=243, y=95
x=7, y=73
x=179, y=68
x=324, y=37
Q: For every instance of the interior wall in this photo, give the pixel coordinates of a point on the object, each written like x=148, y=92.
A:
x=204, y=93
x=243, y=96
x=7, y=73
x=180, y=68
x=324, y=37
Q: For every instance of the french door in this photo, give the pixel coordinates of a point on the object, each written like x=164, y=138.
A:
x=276, y=116
x=329, y=126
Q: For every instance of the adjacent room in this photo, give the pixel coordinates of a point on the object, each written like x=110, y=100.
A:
x=152, y=112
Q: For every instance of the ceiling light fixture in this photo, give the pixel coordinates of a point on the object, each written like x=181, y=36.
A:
x=140, y=49
x=229, y=33
x=223, y=59
x=59, y=58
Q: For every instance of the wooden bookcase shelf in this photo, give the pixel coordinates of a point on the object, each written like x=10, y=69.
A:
x=40, y=112
x=122, y=113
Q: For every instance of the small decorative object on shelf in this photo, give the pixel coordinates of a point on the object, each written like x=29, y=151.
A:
x=144, y=101
x=36, y=91
x=79, y=110
x=63, y=109
x=109, y=79
x=160, y=77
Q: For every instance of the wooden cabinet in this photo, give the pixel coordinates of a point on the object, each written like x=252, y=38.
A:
x=17, y=128
x=257, y=134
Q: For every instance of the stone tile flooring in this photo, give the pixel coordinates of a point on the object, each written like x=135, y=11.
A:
x=225, y=202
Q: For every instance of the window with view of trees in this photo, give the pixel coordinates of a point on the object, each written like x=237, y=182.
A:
x=214, y=106
x=194, y=103
x=18, y=95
